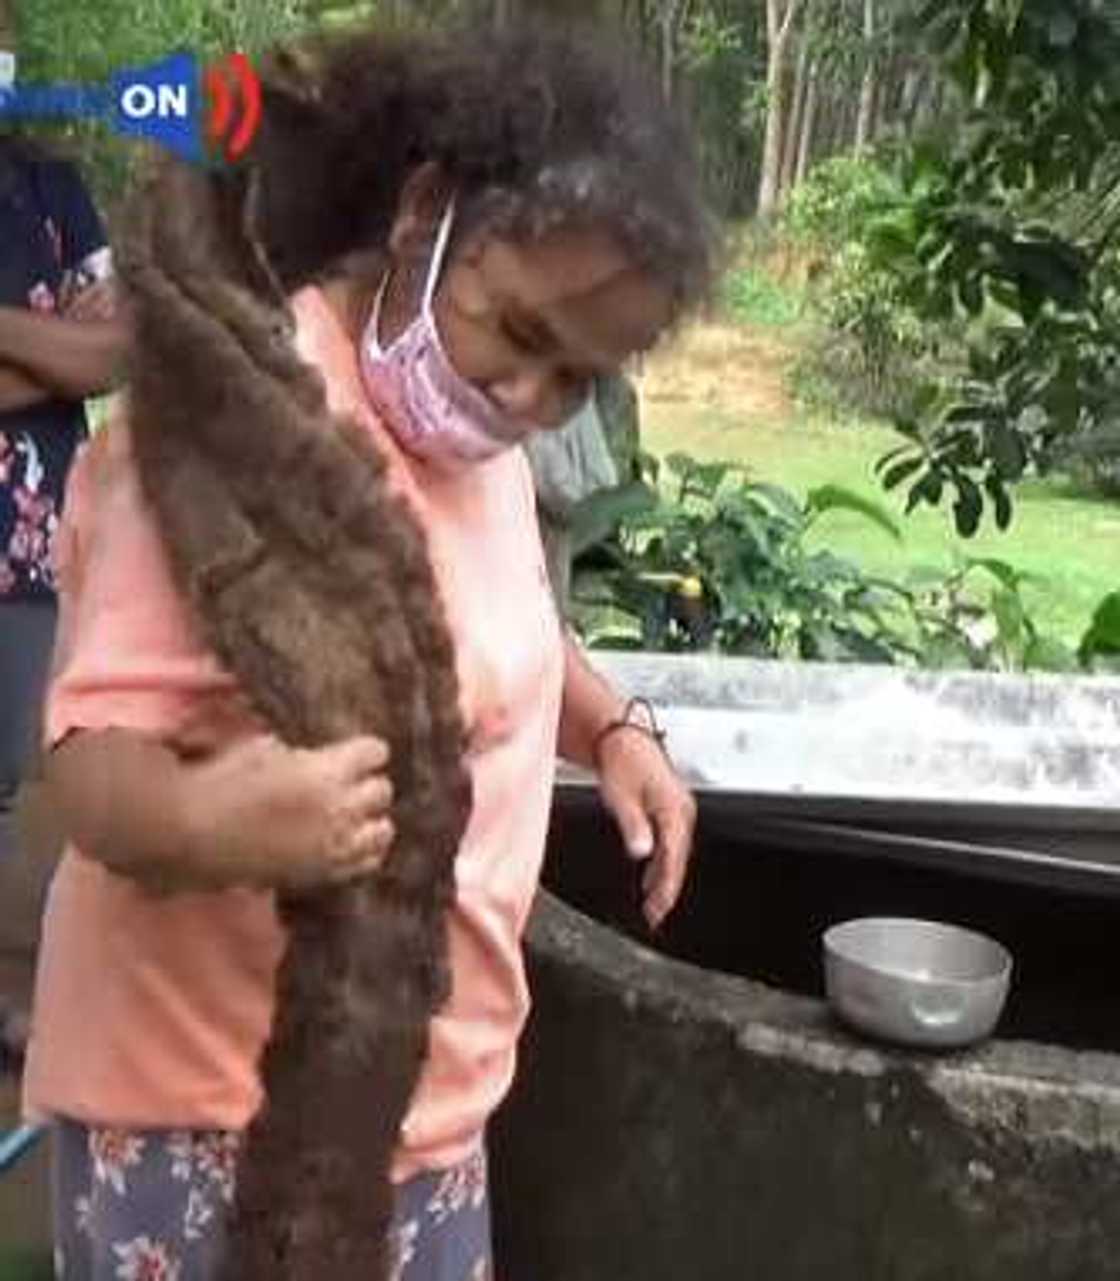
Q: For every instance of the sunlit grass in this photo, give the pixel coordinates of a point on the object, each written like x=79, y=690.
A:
x=721, y=392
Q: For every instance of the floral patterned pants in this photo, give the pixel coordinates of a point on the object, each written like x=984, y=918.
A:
x=150, y=1205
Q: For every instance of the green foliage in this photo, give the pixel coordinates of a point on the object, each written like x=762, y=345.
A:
x=721, y=62
x=864, y=302
x=1043, y=75
x=1092, y=458
x=708, y=37
x=828, y=498
x=67, y=39
x=832, y=208
x=853, y=218
x=1100, y=647
x=1009, y=232
x=972, y=291
x=710, y=559
x=751, y=296
x=72, y=40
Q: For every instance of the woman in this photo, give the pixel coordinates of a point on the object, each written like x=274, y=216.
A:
x=58, y=344
x=533, y=217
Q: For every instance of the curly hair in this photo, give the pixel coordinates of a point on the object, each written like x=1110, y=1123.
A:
x=533, y=127
x=309, y=575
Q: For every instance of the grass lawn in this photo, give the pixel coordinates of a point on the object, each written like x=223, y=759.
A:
x=720, y=393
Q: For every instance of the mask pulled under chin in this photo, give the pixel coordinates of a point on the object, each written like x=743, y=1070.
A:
x=424, y=410
x=434, y=412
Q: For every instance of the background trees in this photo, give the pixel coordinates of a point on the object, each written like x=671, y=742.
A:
x=945, y=174
x=774, y=85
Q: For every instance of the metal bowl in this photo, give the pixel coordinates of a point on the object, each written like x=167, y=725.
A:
x=919, y=983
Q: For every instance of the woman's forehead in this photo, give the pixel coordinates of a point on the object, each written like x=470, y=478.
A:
x=584, y=288
x=560, y=265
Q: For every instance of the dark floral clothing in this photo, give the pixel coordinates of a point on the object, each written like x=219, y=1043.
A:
x=151, y=1205
x=50, y=236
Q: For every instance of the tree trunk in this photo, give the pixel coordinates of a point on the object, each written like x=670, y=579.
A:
x=832, y=137
x=503, y=13
x=931, y=103
x=793, y=120
x=808, y=118
x=888, y=90
x=780, y=17
x=865, y=119
x=911, y=93
x=671, y=15
x=666, y=24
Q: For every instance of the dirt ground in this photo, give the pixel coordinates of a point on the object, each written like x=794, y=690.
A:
x=728, y=368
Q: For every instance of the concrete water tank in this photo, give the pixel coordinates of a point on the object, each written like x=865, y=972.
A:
x=686, y=1106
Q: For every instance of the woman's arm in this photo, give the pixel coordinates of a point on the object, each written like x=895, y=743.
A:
x=255, y=813
x=121, y=799
x=95, y=304
x=590, y=705
x=70, y=358
x=18, y=389
x=655, y=812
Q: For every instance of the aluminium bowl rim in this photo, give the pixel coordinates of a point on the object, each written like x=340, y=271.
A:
x=1003, y=954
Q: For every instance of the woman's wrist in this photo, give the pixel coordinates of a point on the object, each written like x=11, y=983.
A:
x=636, y=716
x=595, y=718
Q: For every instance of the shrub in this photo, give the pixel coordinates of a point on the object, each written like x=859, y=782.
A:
x=701, y=557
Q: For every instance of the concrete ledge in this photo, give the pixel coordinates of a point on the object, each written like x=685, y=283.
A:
x=804, y=730
x=671, y=1122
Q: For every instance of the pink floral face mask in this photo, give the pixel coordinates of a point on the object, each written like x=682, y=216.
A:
x=434, y=412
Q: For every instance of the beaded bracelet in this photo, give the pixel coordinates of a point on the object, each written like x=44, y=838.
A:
x=652, y=730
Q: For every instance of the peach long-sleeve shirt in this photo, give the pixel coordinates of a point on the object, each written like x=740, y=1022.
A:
x=151, y=1012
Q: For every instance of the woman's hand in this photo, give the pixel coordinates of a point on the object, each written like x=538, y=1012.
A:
x=280, y=817
x=199, y=815
x=97, y=301
x=655, y=812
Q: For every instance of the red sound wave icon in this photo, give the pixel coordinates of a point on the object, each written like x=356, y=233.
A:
x=232, y=78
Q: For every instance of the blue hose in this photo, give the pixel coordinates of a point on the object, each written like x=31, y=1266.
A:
x=18, y=1143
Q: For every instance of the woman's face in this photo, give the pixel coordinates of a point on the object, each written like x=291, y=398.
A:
x=532, y=324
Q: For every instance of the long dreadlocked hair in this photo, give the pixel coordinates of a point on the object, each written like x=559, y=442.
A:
x=308, y=576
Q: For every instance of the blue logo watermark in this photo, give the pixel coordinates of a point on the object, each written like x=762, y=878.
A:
x=197, y=111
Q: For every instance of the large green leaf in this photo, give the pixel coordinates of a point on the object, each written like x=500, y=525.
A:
x=599, y=515
x=826, y=498
x=1046, y=654
x=1103, y=635
x=679, y=463
x=898, y=472
x=1006, y=575
x=1008, y=611
x=781, y=500
x=704, y=479
x=968, y=507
